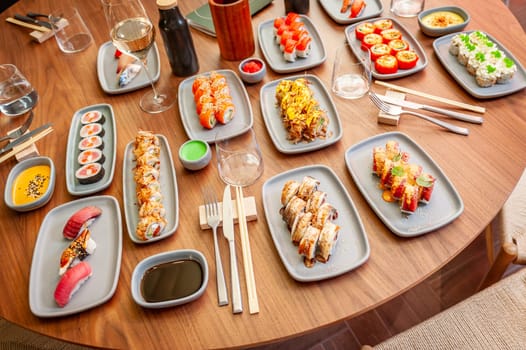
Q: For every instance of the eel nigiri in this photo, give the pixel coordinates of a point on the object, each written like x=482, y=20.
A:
x=80, y=220
x=78, y=249
x=70, y=282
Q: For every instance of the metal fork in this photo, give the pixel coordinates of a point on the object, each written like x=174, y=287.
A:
x=20, y=130
x=396, y=110
x=212, y=219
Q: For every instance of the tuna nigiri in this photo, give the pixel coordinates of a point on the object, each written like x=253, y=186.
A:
x=80, y=220
x=70, y=282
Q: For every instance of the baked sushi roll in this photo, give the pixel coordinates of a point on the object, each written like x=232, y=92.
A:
x=327, y=241
x=295, y=206
x=426, y=183
x=308, y=244
x=379, y=157
x=486, y=75
x=92, y=155
x=409, y=201
x=475, y=61
x=77, y=250
x=326, y=212
x=92, y=117
x=507, y=69
x=91, y=129
x=315, y=201
x=307, y=187
x=290, y=189
x=90, y=173
x=300, y=225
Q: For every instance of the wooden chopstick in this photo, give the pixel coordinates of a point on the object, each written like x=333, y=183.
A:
x=27, y=25
x=24, y=145
x=253, y=304
x=469, y=107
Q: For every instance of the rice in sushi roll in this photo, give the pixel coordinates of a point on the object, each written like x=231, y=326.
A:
x=92, y=117
x=92, y=129
x=303, y=47
x=486, y=75
x=475, y=61
x=89, y=173
x=289, y=50
x=70, y=282
x=507, y=69
x=91, y=142
x=92, y=155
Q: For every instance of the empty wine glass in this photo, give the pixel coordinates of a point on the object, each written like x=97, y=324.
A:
x=17, y=96
x=133, y=33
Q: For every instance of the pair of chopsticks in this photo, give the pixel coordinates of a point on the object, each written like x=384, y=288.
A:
x=253, y=304
x=19, y=148
x=466, y=106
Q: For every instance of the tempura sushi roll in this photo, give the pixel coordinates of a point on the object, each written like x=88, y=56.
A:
x=77, y=250
x=327, y=241
x=90, y=173
x=409, y=201
x=91, y=129
x=225, y=110
x=80, y=220
x=295, y=206
x=301, y=222
x=326, y=212
x=379, y=157
x=307, y=187
x=308, y=244
x=290, y=189
x=149, y=227
x=315, y=201
x=92, y=117
x=91, y=142
x=92, y=155
x=70, y=282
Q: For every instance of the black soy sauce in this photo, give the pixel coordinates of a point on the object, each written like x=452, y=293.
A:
x=171, y=280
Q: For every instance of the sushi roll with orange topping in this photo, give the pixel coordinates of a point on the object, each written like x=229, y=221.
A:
x=303, y=47
x=91, y=142
x=92, y=155
x=409, y=200
x=289, y=50
x=89, y=173
x=92, y=117
x=426, y=183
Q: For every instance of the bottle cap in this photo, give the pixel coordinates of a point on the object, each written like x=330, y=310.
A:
x=166, y=4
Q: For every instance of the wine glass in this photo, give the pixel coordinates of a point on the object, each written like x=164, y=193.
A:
x=17, y=96
x=133, y=33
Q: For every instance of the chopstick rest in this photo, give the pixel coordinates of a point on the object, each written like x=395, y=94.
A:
x=250, y=211
x=21, y=147
x=390, y=119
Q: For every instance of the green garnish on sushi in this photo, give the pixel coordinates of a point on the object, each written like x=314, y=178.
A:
x=508, y=62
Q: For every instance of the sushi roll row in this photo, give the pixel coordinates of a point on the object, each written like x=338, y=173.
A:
x=482, y=58
x=91, y=157
x=292, y=37
x=401, y=180
x=309, y=218
x=213, y=100
x=152, y=213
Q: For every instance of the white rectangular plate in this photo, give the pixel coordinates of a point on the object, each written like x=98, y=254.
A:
x=352, y=248
x=445, y=204
x=110, y=146
x=105, y=262
x=107, y=70
x=243, y=118
x=406, y=35
x=467, y=81
x=373, y=8
x=274, y=56
x=168, y=190
x=272, y=117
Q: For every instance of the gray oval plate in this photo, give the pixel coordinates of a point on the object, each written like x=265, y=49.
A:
x=352, y=248
x=445, y=204
x=373, y=8
x=105, y=262
x=107, y=70
x=274, y=56
x=168, y=190
x=467, y=81
x=272, y=118
x=406, y=35
x=242, y=121
x=110, y=146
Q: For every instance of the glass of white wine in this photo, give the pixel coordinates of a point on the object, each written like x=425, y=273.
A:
x=133, y=34
x=17, y=96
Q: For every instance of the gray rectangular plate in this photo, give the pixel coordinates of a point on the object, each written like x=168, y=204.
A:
x=352, y=248
x=467, y=81
x=168, y=190
x=105, y=262
x=242, y=121
x=272, y=118
x=406, y=35
x=274, y=56
x=72, y=151
x=373, y=8
x=445, y=204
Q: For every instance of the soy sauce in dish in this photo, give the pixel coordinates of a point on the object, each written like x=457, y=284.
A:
x=171, y=280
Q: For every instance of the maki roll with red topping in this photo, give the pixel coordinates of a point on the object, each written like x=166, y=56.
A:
x=92, y=155
x=409, y=201
x=91, y=142
x=426, y=183
x=89, y=173
x=92, y=117
x=92, y=129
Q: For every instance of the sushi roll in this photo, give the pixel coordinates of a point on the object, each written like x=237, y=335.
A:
x=70, y=282
x=327, y=241
x=92, y=155
x=92, y=129
x=465, y=52
x=426, y=183
x=326, y=212
x=507, y=70
x=386, y=178
x=289, y=50
x=390, y=34
x=308, y=244
x=295, y=206
x=409, y=201
x=149, y=227
x=379, y=157
x=398, y=186
x=303, y=47
x=382, y=24
x=475, y=61
x=292, y=17
x=315, y=201
x=289, y=190
x=92, y=117
x=91, y=142
x=90, y=173
x=78, y=250
x=307, y=187
x=486, y=75
x=225, y=110
x=301, y=222
x=80, y=220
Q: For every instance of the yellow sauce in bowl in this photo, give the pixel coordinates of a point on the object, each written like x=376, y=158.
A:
x=442, y=19
x=31, y=184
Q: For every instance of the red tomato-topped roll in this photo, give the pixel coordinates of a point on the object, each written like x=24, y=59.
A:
x=426, y=183
x=363, y=29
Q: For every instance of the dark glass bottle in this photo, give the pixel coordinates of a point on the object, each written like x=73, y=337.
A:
x=177, y=39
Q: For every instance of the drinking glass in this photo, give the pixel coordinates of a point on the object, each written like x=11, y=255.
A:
x=17, y=96
x=133, y=33
x=407, y=8
x=351, y=74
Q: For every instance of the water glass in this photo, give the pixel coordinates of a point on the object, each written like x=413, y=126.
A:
x=17, y=96
x=407, y=8
x=71, y=32
x=351, y=74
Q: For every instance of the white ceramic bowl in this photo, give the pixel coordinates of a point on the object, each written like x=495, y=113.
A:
x=252, y=77
x=167, y=257
x=13, y=174
x=439, y=31
x=195, y=154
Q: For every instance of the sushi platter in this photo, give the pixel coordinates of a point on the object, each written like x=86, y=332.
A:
x=333, y=8
x=445, y=206
x=91, y=148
